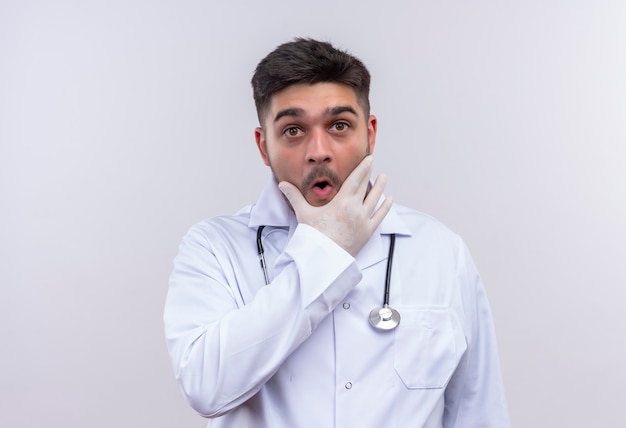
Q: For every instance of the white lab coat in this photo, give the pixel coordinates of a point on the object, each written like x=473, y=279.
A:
x=300, y=352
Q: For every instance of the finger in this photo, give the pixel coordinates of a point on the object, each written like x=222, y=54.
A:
x=359, y=177
x=381, y=212
x=375, y=192
x=293, y=195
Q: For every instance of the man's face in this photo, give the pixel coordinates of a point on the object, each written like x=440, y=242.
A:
x=313, y=136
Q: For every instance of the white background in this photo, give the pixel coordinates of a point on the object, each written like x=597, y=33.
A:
x=122, y=123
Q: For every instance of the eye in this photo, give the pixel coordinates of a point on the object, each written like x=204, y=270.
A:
x=292, y=131
x=340, y=126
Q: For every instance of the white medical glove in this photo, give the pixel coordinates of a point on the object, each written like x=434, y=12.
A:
x=349, y=218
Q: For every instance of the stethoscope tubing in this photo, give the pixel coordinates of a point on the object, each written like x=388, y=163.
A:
x=383, y=318
x=392, y=245
x=261, y=251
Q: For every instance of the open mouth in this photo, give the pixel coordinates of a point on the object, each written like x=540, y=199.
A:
x=321, y=184
x=322, y=189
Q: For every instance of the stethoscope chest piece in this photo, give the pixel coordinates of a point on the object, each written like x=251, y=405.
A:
x=384, y=318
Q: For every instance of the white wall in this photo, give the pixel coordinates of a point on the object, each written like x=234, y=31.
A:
x=124, y=122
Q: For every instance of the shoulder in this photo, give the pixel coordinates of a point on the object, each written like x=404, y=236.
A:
x=223, y=228
x=422, y=224
x=429, y=238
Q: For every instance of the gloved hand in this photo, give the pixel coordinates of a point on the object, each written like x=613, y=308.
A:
x=348, y=219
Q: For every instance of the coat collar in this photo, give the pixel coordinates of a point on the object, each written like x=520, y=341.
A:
x=271, y=209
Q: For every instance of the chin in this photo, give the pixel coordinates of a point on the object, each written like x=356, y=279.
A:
x=318, y=203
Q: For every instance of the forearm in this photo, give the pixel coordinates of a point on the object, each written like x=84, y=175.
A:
x=223, y=354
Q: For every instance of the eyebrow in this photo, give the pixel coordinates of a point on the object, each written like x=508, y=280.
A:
x=293, y=112
x=341, y=109
x=297, y=112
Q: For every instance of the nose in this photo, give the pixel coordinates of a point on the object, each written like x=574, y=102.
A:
x=319, y=147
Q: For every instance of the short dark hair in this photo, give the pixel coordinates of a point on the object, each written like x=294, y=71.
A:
x=308, y=61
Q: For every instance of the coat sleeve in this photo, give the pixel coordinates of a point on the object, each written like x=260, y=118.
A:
x=475, y=395
x=222, y=352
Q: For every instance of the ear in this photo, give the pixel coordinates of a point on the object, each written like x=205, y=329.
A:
x=372, y=127
x=261, y=143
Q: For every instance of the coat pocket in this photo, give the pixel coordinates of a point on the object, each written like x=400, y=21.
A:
x=428, y=346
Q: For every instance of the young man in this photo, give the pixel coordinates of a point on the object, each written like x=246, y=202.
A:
x=310, y=338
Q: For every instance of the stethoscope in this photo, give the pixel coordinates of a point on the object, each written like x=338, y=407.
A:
x=383, y=317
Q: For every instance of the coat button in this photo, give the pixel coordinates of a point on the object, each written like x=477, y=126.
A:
x=346, y=305
x=348, y=385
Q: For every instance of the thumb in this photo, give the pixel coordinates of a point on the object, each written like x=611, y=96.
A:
x=293, y=195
